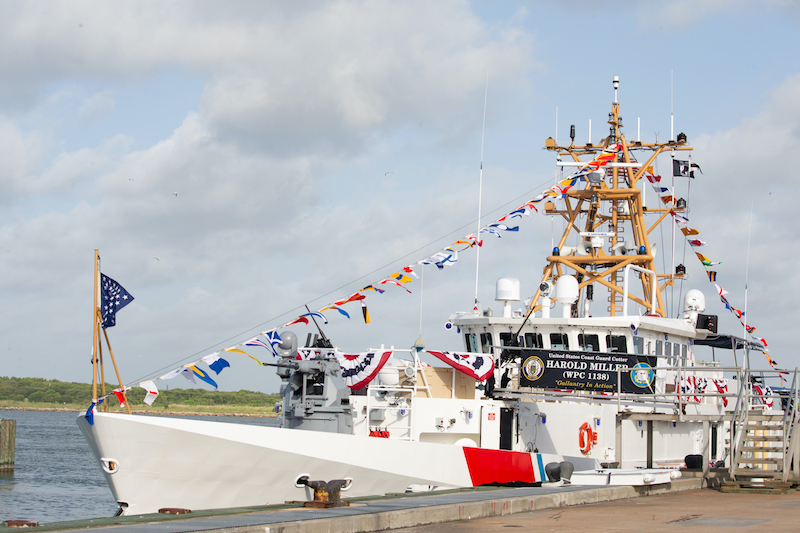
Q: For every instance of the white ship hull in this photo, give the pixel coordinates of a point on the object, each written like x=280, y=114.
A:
x=165, y=462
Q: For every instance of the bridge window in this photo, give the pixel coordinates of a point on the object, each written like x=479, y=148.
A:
x=471, y=340
x=616, y=343
x=589, y=342
x=559, y=341
x=533, y=340
x=486, y=342
x=638, y=345
x=659, y=347
x=506, y=338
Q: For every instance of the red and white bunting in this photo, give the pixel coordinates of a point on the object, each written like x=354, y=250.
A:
x=476, y=365
x=360, y=368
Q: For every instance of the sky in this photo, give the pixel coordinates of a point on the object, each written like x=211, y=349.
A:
x=236, y=162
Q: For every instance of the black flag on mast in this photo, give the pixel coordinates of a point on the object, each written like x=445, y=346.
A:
x=684, y=168
x=113, y=297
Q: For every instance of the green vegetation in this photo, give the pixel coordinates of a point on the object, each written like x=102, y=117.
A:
x=38, y=392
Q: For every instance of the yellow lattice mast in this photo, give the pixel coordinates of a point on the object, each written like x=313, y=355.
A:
x=612, y=203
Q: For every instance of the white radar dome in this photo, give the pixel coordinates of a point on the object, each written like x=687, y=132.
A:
x=507, y=289
x=694, y=301
x=567, y=289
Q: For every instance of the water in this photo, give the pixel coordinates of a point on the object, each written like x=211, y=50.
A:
x=56, y=477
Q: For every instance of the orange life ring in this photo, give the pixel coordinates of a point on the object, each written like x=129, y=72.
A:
x=586, y=438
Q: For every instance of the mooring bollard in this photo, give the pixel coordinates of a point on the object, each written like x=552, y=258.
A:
x=8, y=432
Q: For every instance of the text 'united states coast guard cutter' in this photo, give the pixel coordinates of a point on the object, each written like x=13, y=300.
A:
x=552, y=381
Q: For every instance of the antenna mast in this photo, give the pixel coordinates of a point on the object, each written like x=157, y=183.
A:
x=747, y=272
x=610, y=199
x=480, y=194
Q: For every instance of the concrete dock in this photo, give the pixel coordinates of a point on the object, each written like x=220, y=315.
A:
x=705, y=510
x=549, y=508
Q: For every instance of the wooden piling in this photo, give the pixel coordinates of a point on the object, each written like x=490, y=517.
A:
x=8, y=432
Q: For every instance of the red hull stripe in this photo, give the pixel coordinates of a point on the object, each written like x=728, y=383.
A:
x=498, y=466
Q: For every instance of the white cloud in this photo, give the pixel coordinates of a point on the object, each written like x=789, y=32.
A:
x=388, y=67
x=753, y=155
x=747, y=169
x=96, y=106
x=293, y=94
x=683, y=14
x=354, y=41
x=21, y=153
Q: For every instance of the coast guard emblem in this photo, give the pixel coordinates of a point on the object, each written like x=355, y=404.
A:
x=642, y=375
x=532, y=368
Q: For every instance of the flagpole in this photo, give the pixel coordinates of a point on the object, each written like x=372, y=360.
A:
x=95, y=340
x=100, y=354
x=480, y=193
x=116, y=370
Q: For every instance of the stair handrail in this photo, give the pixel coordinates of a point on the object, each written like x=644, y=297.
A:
x=739, y=421
x=786, y=418
x=790, y=424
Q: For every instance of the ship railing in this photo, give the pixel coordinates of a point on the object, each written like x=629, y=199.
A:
x=393, y=397
x=791, y=421
x=403, y=427
x=738, y=427
x=698, y=383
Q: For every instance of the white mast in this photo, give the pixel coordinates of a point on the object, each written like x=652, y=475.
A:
x=672, y=138
x=480, y=193
x=746, y=273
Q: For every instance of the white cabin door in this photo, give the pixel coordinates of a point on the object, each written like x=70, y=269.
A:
x=490, y=427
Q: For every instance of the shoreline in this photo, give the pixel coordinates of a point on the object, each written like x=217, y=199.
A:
x=141, y=412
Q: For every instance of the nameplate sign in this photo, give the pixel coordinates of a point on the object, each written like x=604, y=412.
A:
x=587, y=371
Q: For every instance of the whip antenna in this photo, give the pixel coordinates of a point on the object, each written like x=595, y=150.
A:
x=747, y=273
x=480, y=193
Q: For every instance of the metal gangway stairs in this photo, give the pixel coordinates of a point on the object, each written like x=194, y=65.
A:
x=765, y=437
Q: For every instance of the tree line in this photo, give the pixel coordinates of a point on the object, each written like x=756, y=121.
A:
x=40, y=390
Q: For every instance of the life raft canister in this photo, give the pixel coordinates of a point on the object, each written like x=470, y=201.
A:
x=586, y=438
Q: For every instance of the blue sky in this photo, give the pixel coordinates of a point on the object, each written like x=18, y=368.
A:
x=317, y=147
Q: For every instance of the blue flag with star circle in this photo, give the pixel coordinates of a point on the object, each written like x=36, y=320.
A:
x=113, y=297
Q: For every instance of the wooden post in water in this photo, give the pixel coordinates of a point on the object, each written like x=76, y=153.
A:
x=8, y=432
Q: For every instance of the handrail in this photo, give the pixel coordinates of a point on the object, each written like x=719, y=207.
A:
x=790, y=420
x=739, y=424
x=789, y=448
x=628, y=268
x=786, y=411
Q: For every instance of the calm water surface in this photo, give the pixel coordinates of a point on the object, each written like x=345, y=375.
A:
x=56, y=477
